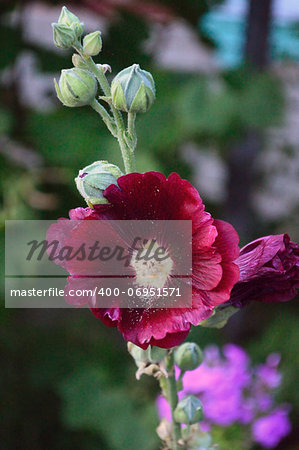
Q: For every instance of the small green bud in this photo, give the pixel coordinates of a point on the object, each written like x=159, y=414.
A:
x=188, y=356
x=63, y=36
x=78, y=61
x=94, y=179
x=188, y=410
x=133, y=90
x=92, y=44
x=77, y=87
x=71, y=20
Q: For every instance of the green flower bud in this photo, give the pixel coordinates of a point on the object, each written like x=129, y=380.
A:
x=133, y=90
x=92, y=44
x=188, y=410
x=94, y=179
x=78, y=61
x=71, y=20
x=63, y=36
x=188, y=356
x=77, y=87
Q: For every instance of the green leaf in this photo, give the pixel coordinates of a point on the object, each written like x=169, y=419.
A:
x=90, y=403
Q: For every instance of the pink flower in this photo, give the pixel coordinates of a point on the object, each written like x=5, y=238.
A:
x=269, y=271
x=152, y=196
x=269, y=430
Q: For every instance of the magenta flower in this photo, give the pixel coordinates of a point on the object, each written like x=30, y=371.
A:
x=269, y=430
x=269, y=271
x=152, y=196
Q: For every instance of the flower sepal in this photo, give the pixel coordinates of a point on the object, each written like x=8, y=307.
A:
x=150, y=361
x=220, y=316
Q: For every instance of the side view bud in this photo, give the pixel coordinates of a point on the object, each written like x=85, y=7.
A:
x=188, y=356
x=70, y=20
x=189, y=410
x=77, y=87
x=63, y=36
x=92, y=44
x=94, y=179
x=78, y=61
x=133, y=90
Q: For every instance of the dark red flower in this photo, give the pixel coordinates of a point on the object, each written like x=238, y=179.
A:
x=150, y=196
x=269, y=271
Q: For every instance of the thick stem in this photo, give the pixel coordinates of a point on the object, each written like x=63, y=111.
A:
x=172, y=397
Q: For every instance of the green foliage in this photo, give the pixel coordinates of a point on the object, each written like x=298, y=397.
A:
x=13, y=45
x=78, y=137
x=123, y=42
x=219, y=108
x=233, y=437
x=90, y=402
x=6, y=121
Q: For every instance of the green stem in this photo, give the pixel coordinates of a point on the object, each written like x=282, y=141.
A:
x=131, y=125
x=108, y=120
x=126, y=150
x=172, y=397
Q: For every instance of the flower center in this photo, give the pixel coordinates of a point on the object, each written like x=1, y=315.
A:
x=151, y=267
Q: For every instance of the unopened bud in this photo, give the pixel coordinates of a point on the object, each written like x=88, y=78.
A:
x=71, y=20
x=133, y=90
x=92, y=44
x=94, y=179
x=77, y=87
x=78, y=61
x=189, y=410
x=63, y=36
x=188, y=356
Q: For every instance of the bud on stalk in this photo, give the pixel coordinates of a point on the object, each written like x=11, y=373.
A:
x=63, y=36
x=77, y=87
x=133, y=90
x=70, y=20
x=188, y=356
x=92, y=44
x=94, y=179
x=188, y=410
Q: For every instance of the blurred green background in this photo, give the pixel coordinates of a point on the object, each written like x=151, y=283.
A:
x=226, y=118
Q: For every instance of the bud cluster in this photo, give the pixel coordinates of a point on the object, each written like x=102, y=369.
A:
x=67, y=30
